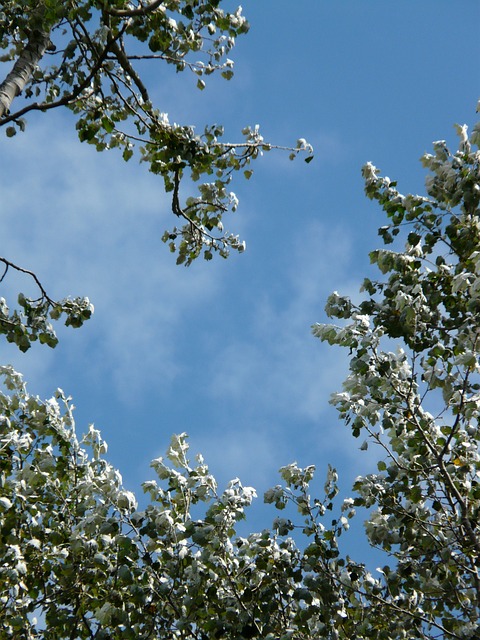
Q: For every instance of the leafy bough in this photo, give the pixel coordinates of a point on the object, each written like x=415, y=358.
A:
x=30, y=322
x=82, y=55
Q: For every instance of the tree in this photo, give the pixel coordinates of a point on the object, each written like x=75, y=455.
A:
x=79, y=560
x=82, y=55
x=420, y=403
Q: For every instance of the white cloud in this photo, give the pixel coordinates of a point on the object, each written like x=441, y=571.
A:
x=279, y=364
x=88, y=224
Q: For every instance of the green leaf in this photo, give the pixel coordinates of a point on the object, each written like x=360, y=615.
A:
x=108, y=124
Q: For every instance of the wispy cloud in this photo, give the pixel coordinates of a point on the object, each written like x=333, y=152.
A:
x=87, y=224
x=278, y=363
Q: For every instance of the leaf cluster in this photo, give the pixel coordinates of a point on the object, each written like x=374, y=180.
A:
x=31, y=320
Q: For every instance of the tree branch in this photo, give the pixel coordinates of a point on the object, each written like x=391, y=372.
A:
x=8, y=264
x=129, y=70
x=67, y=99
x=140, y=11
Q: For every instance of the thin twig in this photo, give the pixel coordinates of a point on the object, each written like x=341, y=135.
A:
x=8, y=264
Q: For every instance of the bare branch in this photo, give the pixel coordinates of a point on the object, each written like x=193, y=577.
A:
x=8, y=264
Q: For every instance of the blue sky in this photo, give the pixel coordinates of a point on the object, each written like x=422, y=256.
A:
x=223, y=350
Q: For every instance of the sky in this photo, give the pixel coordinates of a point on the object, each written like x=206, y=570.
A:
x=223, y=350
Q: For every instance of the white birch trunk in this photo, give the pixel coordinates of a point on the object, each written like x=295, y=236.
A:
x=22, y=70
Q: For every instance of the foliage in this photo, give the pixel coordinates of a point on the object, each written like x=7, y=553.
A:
x=79, y=560
x=82, y=55
x=31, y=321
x=421, y=402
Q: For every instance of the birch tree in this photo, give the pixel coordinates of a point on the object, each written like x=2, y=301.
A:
x=85, y=56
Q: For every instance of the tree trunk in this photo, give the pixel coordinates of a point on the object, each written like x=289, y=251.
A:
x=23, y=68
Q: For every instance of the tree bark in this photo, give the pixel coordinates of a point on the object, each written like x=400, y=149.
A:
x=23, y=68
